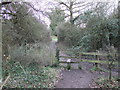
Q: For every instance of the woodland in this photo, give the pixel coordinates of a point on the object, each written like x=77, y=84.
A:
x=59, y=44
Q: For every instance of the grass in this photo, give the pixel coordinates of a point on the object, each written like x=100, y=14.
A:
x=98, y=69
x=31, y=77
x=54, y=38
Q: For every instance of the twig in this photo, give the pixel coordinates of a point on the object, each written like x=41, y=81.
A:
x=4, y=82
x=22, y=69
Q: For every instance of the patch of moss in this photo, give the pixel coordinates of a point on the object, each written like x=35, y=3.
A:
x=98, y=69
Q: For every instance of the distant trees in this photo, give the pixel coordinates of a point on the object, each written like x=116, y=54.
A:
x=69, y=34
x=56, y=17
x=104, y=32
x=26, y=25
x=74, y=7
x=76, y=24
x=97, y=25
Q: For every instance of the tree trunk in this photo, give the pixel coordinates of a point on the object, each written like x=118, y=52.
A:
x=71, y=13
x=25, y=47
x=57, y=55
x=118, y=40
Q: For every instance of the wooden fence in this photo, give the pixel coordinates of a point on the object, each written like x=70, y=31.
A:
x=96, y=61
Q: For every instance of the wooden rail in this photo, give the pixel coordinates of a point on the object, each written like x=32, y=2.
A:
x=96, y=54
x=97, y=61
x=69, y=57
x=91, y=61
x=68, y=62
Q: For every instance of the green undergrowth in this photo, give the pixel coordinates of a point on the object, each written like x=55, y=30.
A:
x=30, y=76
x=68, y=67
x=104, y=82
x=98, y=69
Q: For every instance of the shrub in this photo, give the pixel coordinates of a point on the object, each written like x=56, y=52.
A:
x=79, y=67
x=68, y=66
x=85, y=43
x=69, y=34
x=112, y=57
x=74, y=51
x=44, y=55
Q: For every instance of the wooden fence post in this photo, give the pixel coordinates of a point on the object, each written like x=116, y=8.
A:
x=79, y=66
x=57, y=55
x=69, y=64
x=96, y=64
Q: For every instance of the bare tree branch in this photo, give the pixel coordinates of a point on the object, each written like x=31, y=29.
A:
x=5, y=3
x=76, y=17
x=29, y=4
x=78, y=3
x=64, y=4
x=9, y=13
x=88, y=4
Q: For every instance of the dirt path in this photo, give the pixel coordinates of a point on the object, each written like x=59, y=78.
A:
x=75, y=79
x=78, y=78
